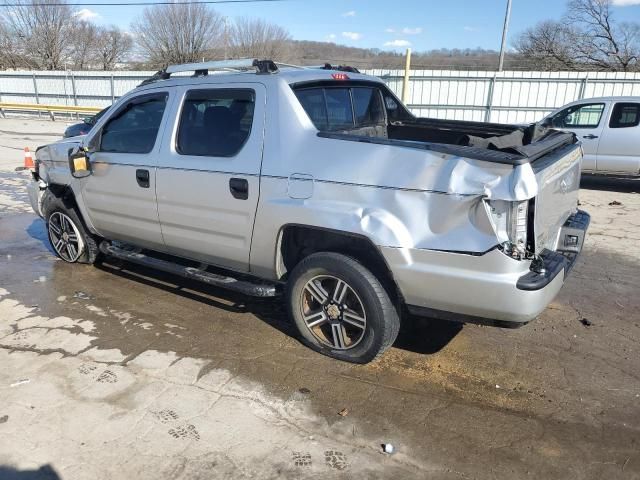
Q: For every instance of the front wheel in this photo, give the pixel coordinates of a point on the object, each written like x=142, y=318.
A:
x=67, y=234
x=340, y=308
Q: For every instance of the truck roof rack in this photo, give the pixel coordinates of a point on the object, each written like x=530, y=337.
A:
x=203, y=68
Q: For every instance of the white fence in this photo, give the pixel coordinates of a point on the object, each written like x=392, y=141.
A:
x=506, y=97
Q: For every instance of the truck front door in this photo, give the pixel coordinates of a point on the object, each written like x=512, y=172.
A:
x=586, y=121
x=208, y=178
x=120, y=195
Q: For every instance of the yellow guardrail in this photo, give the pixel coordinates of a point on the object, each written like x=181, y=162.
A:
x=50, y=109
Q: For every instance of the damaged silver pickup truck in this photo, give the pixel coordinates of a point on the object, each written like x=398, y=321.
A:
x=319, y=182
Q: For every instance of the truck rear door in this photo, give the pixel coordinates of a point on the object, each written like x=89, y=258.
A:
x=208, y=177
x=618, y=150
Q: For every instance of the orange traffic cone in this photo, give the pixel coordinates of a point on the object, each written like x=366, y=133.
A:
x=28, y=160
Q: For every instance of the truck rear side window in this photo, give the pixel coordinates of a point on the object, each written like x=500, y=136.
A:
x=342, y=108
x=215, y=122
x=625, y=115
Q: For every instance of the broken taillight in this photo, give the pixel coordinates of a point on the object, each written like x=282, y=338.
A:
x=510, y=223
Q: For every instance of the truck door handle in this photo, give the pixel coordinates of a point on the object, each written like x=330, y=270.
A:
x=239, y=188
x=591, y=136
x=142, y=176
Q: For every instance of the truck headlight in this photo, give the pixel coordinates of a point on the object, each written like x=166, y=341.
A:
x=510, y=223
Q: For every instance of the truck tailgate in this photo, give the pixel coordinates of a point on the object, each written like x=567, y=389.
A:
x=558, y=176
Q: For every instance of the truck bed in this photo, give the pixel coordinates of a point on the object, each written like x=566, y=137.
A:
x=491, y=142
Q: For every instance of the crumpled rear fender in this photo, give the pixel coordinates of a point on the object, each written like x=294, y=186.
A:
x=389, y=217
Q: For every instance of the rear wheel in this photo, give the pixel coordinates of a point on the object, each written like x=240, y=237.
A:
x=340, y=308
x=68, y=236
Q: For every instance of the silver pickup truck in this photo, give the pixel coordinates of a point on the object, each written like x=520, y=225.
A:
x=318, y=182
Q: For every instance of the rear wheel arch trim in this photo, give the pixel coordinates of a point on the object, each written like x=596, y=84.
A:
x=281, y=270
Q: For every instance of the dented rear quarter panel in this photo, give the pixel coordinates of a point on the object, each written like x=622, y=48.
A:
x=396, y=196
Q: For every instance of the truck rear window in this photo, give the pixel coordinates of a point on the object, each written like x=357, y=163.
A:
x=342, y=108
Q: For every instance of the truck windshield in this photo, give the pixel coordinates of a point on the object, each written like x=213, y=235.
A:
x=342, y=108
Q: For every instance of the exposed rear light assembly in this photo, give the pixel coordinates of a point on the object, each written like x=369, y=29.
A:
x=510, y=221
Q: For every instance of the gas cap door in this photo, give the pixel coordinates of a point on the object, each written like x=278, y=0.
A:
x=300, y=186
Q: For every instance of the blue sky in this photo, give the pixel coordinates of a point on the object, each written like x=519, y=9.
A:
x=389, y=24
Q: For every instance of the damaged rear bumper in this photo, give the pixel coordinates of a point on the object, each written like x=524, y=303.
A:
x=485, y=288
x=562, y=260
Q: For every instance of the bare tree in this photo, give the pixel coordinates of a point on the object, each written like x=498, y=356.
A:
x=112, y=46
x=587, y=37
x=255, y=38
x=43, y=28
x=603, y=42
x=549, y=45
x=84, y=40
x=11, y=51
x=177, y=33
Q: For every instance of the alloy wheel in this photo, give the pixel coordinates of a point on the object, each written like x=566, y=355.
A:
x=65, y=237
x=333, y=312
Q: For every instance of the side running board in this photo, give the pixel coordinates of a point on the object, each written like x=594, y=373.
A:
x=242, y=286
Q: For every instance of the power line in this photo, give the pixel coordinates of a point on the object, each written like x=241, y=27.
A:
x=126, y=4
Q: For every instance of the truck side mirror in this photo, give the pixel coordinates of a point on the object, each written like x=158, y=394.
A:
x=79, y=162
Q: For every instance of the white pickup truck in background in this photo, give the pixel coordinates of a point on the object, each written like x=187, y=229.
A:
x=609, y=129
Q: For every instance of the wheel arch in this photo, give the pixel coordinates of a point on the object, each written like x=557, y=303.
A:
x=297, y=241
x=63, y=193
x=66, y=194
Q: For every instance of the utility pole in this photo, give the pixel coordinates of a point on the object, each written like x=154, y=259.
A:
x=405, y=83
x=505, y=29
x=226, y=37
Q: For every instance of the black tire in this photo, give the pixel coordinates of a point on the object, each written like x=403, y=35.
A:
x=53, y=208
x=381, y=318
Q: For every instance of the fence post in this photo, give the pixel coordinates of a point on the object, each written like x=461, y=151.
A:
x=492, y=83
x=75, y=97
x=35, y=90
x=73, y=89
x=113, y=93
x=583, y=86
x=405, y=83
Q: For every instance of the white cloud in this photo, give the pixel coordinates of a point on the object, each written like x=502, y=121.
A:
x=626, y=3
x=352, y=35
x=412, y=31
x=398, y=43
x=467, y=28
x=350, y=13
x=85, y=14
x=390, y=30
x=331, y=36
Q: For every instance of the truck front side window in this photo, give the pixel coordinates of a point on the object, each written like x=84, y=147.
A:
x=134, y=128
x=579, y=116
